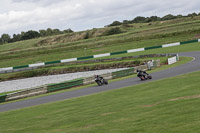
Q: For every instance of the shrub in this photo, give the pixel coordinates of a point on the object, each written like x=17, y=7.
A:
x=113, y=31
x=86, y=35
x=115, y=23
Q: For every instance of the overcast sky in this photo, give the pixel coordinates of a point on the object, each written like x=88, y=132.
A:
x=24, y=15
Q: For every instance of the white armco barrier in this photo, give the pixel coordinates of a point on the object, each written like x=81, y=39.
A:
x=135, y=50
x=36, y=65
x=6, y=69
x=172, y=60
x=198, y=40
x=171, y=45
x=68, y=60
x=101, y=55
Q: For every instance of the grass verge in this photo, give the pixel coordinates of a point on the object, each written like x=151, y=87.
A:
x=169, y=105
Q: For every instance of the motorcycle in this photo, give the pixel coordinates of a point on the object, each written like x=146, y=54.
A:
x=100, y=81
x=143, y=75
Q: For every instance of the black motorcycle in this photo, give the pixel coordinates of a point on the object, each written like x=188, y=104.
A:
x=143, y=75
x=100, y=80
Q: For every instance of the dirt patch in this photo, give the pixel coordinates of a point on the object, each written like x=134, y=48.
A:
x=185, y=97
x=95, y=125
x=173, y=99
x=197, y=36
x=85, y=127
x=57, y=130
x=120, y=120
x=162, y=22
x=71, y=37
x=108, y=113
x=151, y=105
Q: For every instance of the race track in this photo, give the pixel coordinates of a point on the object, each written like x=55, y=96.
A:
x=183, y=69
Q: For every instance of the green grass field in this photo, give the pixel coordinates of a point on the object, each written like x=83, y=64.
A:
x=165, y=106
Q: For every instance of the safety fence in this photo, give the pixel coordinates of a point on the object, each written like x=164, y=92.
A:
x=123, y=73
x=64, y=85
x=3, y=98
x=34, y=66
x=26, y=93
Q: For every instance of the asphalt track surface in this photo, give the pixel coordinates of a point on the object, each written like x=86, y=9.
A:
x=183, y=69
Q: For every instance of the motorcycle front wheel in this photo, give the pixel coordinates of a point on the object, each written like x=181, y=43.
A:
x=106, y=82
x=150, y=77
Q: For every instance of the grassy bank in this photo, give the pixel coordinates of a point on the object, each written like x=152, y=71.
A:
x=169, y=105
x=135, y=36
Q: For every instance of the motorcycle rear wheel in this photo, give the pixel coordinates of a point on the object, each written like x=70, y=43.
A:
x=99, y=83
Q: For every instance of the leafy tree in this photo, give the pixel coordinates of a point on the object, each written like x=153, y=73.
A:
x=30, y=35
x=56, y=32
x=168, y=17
x=115, y=23
x=1, y=41
x=5, y=38
x=179, y=16
x=192, y=15
x=152, y=19
x=125, y=22
x=49, y=32
x=43, y=33
x=68, y=31
x=16, y=37
x=139, y=19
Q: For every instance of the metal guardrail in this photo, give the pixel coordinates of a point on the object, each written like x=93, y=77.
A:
x=64, y=85
x=3, y=98
x=122, y=73
x=26, y=93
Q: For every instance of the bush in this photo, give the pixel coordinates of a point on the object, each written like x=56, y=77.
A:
x=112, y=31
x=115, y=23
x=86, y=35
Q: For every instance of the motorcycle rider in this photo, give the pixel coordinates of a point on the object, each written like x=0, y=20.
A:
x=100, y=80
x=141, y=73
x=98, y=77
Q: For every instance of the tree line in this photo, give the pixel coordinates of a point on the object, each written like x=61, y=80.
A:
x=6, y=38
x=140, y=19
